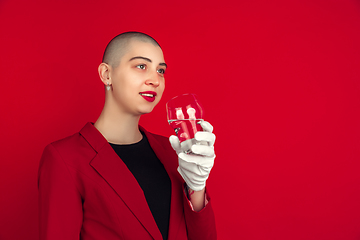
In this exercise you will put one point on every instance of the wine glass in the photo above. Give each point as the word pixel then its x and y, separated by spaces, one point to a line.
pixel 184 114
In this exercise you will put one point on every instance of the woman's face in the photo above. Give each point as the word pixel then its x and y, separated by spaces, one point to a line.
pixel 138 82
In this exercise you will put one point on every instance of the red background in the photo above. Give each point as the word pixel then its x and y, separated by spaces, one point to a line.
pixel 279 80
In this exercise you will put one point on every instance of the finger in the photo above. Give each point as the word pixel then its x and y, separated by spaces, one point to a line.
pixel 195 175
pixel 203 150
pixel 206 136
pixel 175 143
pixel 193 170
pixel 202 161
pixel 185 157
pixel 206 126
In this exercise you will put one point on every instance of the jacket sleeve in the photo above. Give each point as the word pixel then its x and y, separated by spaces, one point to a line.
pixel 60 204
pixel 200 225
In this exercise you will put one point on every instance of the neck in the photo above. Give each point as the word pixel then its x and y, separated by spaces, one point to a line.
pixel 118 127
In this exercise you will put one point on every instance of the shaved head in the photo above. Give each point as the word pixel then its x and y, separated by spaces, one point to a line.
pixel 120 44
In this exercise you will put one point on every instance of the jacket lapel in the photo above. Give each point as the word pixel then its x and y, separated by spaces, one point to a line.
pixel 114 171
pixel 168 158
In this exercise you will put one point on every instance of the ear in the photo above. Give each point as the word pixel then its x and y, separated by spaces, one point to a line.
pixel 104 73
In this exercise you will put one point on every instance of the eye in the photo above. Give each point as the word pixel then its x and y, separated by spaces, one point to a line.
pixel 141 66
pixel 161 71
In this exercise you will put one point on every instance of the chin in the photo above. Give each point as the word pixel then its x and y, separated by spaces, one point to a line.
pixel 146 111
pixel 147 108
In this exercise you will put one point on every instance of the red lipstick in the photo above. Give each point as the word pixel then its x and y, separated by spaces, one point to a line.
pixel 148 95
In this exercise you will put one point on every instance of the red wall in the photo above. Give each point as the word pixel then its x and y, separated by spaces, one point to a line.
pixel 279 80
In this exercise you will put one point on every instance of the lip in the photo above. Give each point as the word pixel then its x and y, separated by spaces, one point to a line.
pixel 147 98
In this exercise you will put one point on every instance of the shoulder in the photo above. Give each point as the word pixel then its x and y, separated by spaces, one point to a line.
pixel 70 149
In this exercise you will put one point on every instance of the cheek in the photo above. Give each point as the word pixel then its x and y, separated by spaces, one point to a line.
pixel 127 85
pixel 162 86
pixel 161 91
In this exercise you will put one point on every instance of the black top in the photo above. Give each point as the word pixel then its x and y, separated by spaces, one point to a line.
pixel 152 178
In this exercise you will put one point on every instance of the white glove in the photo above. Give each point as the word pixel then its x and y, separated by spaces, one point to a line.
pixel 195 167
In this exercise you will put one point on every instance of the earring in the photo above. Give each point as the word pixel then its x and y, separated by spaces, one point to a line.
pixel 108 86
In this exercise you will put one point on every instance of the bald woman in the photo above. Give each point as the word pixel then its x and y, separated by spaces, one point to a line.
pixel 114 179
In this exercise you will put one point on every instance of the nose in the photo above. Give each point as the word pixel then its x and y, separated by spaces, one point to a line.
pixel 153 79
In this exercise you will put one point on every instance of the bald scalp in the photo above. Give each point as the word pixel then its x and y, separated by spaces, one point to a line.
pixel 120 44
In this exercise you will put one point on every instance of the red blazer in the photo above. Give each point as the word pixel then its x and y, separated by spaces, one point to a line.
pixel 86 192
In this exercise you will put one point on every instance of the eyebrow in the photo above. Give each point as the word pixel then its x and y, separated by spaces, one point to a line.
pixel 147 59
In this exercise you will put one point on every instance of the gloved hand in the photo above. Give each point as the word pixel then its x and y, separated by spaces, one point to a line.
pixel 195 167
